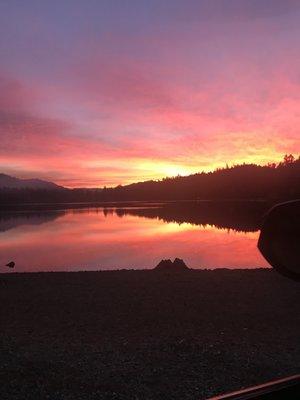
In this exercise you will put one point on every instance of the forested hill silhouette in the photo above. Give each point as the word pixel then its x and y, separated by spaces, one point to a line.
pixel 241 182
pixel 247 181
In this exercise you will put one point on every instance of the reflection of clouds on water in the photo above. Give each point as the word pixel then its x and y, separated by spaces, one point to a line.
pixel 90 240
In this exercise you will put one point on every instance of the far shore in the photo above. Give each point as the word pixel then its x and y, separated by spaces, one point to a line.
pixel 145 334
pixel 113 204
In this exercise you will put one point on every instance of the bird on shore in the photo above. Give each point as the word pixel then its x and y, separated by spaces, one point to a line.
pixel 11 264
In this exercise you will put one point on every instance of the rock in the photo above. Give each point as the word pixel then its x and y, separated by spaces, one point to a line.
pixel 164 265
pixel 179 264
pixel 168 265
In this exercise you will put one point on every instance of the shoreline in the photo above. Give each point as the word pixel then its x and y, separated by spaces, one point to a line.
pixel 145 334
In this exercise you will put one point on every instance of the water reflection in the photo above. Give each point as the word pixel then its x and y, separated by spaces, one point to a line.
pixel 113 238
pixel 12 220
pixel 239 216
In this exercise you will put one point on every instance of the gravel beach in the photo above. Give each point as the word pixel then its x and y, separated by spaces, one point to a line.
pixel 145 334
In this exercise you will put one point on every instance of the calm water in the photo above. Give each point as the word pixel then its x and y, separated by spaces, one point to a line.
pixel 102 238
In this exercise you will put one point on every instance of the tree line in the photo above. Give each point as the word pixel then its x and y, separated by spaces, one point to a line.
pixel 271 182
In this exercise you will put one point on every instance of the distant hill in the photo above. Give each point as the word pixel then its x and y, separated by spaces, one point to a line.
pixel 11 182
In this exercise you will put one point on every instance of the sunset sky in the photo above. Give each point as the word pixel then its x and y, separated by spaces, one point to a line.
pixel 108 92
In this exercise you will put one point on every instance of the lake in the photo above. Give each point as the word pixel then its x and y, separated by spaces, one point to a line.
pixel 131 237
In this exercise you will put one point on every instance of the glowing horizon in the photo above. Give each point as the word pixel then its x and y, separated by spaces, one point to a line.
pixel 100 94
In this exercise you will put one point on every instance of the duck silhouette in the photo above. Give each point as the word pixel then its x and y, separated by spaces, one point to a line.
pixel 11 264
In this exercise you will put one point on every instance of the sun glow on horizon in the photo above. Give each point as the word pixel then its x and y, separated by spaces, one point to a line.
pixel 140 170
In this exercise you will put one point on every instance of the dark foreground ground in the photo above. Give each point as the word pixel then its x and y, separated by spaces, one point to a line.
pixel 144 334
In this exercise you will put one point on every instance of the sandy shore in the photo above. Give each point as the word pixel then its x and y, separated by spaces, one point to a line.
pixel 144 334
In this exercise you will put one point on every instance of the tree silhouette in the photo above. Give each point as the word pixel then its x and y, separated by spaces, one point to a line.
pixel 288 159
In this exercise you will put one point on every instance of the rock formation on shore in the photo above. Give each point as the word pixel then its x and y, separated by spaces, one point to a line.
pixel 168 265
